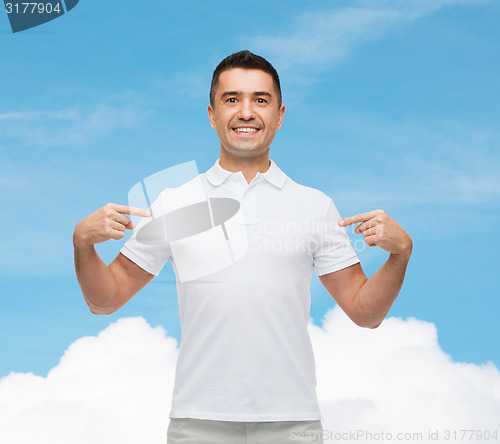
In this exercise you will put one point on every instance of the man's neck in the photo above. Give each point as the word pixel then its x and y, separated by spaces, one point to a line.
pixel 249 166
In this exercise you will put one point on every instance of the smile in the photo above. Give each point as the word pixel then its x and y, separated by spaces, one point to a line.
pixel 245 130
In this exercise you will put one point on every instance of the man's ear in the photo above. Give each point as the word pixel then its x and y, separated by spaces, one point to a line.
pixel 211 116
pixel 281 113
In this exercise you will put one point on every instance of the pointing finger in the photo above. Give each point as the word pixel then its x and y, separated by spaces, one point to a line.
pixel 133 211
pixel 362 217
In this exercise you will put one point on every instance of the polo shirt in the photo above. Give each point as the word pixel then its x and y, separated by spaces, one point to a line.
pixel 245 353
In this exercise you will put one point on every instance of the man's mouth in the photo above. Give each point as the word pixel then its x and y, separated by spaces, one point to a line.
pixel 246 129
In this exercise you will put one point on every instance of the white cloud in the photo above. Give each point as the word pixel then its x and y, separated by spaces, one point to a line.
pixel 72 126
pixel 67 114
pixel 116 387
pixel 320 38
pixel 397 378
pixel 113 388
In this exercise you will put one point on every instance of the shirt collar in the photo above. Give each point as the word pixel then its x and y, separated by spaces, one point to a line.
pixel 217 175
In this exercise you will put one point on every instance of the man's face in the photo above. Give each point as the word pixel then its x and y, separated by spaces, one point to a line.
pixel 245 112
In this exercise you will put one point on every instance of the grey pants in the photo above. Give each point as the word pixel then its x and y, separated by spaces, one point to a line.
pixel 204 431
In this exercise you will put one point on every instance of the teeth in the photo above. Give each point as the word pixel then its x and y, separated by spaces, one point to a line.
pixel 246 130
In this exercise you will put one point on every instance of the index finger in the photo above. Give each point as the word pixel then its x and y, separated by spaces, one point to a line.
pixel 362 217
pixel 133 211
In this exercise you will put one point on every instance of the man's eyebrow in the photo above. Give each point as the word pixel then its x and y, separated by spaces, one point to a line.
pixel 262 93
pixel 236 93
pixel 230 93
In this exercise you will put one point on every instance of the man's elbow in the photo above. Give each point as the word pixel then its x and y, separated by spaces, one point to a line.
pixel 368 323
pixel 101 310
pixel 374 325
pixel 366 317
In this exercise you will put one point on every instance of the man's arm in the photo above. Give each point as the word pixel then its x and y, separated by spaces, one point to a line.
pixel 106 288
pixel 368 301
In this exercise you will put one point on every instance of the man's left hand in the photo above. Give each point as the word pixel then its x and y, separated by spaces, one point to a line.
pixel 378 228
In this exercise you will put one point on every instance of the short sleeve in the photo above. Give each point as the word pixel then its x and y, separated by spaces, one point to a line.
pixel 334 250
pixel 150 257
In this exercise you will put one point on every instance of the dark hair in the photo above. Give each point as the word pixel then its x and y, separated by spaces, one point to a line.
pixel 244 59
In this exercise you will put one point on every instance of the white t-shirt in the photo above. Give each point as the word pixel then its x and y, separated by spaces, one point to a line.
pixel 245 352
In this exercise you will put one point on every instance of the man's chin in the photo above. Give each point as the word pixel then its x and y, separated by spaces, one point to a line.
pixel 246 152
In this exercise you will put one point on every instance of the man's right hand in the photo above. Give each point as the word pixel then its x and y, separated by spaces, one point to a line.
pixel 108 222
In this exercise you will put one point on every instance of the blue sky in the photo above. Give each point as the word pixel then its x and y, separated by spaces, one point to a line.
pixel 389 104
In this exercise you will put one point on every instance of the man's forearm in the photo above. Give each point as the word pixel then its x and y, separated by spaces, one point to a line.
pixel 95 278
pixel 379 292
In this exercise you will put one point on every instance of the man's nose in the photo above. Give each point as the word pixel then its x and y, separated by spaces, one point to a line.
pixel 246 111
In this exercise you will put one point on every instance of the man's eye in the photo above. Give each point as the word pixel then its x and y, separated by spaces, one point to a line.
pixel 231 100
pixel 261 100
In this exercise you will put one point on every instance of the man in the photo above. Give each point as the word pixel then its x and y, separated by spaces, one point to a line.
pixel 245 371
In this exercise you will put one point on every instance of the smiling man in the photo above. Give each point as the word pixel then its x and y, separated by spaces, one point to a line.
pixel 246 110
pixel 245 371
